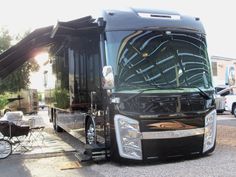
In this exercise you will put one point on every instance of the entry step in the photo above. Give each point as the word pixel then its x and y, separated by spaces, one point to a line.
pixel 95 147
pixel 93 152
pixel 82 157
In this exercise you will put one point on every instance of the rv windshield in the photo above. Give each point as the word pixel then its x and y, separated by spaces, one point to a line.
pixel 158 59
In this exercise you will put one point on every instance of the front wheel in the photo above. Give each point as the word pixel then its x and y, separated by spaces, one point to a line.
pixel 220 111
pixel 90 132
pixel 234 110
pixel 5 148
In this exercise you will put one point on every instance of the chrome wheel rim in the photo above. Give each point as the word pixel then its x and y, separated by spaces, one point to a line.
pixel 235 111
pixel 91 134
pixel 5 149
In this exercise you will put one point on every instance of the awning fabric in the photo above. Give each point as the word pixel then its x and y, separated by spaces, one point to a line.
pixel 15 56
pixel 40 39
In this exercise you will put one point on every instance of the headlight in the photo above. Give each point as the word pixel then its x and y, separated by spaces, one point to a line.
pixel 128 137
pixel 210 131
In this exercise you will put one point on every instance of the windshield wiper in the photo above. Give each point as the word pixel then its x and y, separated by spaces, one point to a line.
pixel 139 93
pixel 203 94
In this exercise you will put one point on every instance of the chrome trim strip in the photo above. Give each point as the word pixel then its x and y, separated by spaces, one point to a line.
pixel 173 134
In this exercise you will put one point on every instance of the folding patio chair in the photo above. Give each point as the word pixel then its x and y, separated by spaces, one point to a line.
pixel 37 126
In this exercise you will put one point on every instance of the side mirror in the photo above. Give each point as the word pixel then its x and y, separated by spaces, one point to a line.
pixel 108 78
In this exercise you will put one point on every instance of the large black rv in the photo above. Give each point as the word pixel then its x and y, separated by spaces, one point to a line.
pixel 132 85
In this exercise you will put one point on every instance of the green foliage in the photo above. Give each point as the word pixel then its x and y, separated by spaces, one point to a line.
pixel 3 100
pixel 61 97
pixel 40 96
pixel 5 40
pixel 49 96
pixel 20 78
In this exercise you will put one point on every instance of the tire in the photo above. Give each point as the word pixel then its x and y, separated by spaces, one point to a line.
pixel 234 110
pixel 5 148
pixel 90 132
pixel 220 111
pixel 55 126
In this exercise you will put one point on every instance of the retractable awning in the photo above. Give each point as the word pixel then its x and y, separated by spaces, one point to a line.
pixel 15 56
pixel 74 27
pixel 40 39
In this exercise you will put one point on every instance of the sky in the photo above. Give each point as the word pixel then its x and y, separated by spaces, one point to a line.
pixel 218 17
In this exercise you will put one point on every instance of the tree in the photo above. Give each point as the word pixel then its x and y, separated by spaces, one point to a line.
pixel 20 78
pixel 5 40
pixel 3 100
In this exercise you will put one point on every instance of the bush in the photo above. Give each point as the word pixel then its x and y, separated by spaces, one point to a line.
pixel 62 99
pixel 3 100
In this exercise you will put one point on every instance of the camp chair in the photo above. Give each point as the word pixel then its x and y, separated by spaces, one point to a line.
pixel 37 126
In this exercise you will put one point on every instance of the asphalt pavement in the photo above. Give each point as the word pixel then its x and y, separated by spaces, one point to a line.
pixel 227 119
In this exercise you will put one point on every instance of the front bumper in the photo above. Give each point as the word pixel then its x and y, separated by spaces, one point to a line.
pixel 163 138
pixel 172 146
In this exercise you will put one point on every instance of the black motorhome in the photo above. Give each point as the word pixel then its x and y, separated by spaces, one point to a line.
pixel 133 85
